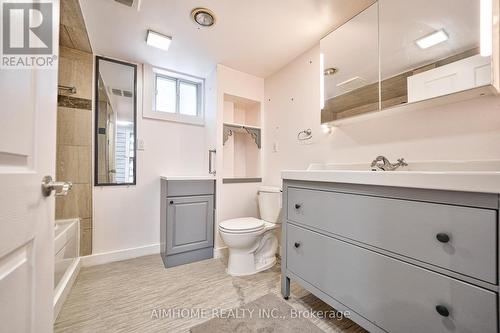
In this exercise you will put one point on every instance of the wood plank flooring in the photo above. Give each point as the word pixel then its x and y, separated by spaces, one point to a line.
pixel 134 296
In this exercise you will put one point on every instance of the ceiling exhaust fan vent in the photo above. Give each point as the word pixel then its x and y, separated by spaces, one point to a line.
pixel 128 3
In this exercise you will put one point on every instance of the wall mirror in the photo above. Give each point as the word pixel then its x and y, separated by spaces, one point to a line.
pixel 405 52
pixel 351 67
pixel 115 123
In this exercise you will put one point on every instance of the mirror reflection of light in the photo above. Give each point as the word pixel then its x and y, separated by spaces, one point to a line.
pixel 435 38
pixel 486 28
pixel 322 80
pixel 124 123
pixel 326 128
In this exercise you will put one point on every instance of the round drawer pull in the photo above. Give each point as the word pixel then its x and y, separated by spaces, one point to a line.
pixel 297 206
pixel 297 245
pixel 171 202
pixel 442 310
pixel 442 237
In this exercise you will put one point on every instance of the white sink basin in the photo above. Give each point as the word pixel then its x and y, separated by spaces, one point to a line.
pixel 468 176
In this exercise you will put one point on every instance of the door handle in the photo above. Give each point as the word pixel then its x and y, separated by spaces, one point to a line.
pixel 61 188
pixel 211 153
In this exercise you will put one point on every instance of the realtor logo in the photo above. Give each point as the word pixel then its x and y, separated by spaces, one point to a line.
pixel 27 34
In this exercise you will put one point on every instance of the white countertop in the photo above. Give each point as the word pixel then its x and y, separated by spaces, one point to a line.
pixel 473 176
pixel 204 177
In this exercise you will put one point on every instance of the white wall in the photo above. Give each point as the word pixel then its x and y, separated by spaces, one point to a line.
pixel 234 200
pixel 465 130
pixel 129 216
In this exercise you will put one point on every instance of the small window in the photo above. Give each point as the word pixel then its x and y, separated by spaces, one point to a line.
pixel 177 95
pixel 166 91
pixel 188 98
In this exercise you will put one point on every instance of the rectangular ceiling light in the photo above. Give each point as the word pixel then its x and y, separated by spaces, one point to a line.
pixel 435 38
pixel 158 40
pixel 486 28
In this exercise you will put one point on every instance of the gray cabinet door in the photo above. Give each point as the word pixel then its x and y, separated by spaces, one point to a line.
pixel 189 223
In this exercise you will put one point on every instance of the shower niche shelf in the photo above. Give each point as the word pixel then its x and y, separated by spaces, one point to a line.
pixel 242 140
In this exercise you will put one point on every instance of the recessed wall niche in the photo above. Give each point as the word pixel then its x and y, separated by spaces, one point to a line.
pixel 242 139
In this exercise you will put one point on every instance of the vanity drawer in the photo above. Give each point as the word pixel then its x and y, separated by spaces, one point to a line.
pixel 405 227
pixel 177 188
pixel 396 296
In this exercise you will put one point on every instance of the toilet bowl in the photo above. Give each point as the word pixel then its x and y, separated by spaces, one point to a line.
pixel 251 242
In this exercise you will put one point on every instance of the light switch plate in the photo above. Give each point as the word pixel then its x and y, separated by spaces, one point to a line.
pixel 140 144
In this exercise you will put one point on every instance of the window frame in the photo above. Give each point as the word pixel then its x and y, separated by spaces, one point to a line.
pixel 151 75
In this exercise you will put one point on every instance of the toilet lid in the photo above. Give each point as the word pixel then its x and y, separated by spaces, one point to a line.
pixel 244 224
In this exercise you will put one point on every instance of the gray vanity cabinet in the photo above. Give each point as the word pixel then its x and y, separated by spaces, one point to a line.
pixel 398 259
pixel 187 221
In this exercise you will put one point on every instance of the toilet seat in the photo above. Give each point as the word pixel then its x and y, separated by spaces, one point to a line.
pixel 242 225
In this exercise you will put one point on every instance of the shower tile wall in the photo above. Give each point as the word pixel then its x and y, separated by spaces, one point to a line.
pixel 74 141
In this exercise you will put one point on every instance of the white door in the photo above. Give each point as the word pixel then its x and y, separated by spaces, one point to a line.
pixel 28 109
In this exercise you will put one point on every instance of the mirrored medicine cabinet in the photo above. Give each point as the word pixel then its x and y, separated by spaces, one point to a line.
pixel 402 52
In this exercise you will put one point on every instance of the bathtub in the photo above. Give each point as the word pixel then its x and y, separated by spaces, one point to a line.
pixel 67 260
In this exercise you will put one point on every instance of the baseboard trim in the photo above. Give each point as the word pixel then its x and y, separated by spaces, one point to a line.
pixel 119 255
pixel 220 252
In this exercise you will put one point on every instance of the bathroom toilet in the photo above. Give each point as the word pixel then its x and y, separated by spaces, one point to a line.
pixel 251 242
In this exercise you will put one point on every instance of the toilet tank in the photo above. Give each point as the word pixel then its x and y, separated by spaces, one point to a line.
pixel 270 203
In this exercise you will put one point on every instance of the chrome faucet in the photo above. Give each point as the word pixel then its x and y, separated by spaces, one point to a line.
pixel 382 163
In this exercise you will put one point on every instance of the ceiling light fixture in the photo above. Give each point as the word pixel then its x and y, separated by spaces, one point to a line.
pixel 203 17
pixel 434 38
pixel 486 28
pixel 158 40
